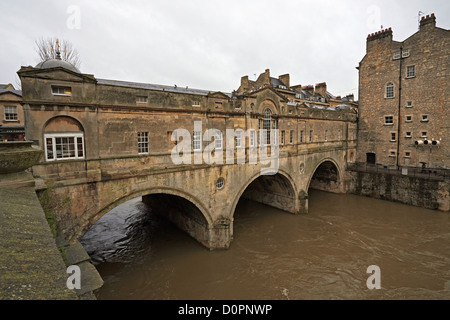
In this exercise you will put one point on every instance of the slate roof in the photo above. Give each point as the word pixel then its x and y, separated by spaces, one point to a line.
pixel 157 87
pixel 16 92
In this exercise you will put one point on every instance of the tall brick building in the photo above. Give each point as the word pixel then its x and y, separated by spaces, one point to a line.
pixel 404 99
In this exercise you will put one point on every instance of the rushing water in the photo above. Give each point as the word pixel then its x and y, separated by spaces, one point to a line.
pixel 275 255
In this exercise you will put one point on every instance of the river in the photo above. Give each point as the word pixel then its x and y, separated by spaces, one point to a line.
pixel 324 254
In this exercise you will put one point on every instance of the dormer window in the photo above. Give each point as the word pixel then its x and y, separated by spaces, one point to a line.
pixel 61 91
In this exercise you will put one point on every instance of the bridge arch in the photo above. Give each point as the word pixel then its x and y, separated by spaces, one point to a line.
pixel 326 176
pixel 269 191
pixel 196 225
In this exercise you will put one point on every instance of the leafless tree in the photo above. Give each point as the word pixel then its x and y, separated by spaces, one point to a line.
pixel 47 49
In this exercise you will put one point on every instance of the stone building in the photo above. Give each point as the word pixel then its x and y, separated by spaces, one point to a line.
pixel 404 99
pixel 12 125
pixel 108 141
pixel 77 116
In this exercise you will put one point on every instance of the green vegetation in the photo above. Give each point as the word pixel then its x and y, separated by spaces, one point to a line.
pixel 51 203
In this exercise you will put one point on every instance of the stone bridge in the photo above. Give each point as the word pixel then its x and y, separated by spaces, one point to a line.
pixel 84 190
pixel 107 141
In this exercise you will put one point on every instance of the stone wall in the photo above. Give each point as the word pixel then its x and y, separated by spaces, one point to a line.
pixel 426 193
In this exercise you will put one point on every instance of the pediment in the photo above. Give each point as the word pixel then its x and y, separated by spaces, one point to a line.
pixel 10 96
pixel 57 73
pixel 218 95
pixel 269 93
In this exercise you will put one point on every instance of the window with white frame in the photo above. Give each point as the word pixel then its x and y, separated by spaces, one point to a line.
pixel 397 55
pixel 302 136
pixel 424 118
pixel 267 121
pixel 408 134
pixel 405 53
pixel 63 146
pixel 10 113
pixel 310 135
pixel 197 139
pixel 282 136
pixel 238 139
pixel 218 140
pixel 409 104
pixel 424 134
pixel 143 142
pixel 252 138
pixel 410 71
pixel 141 99
pixel 389 120
pixel 390 90
pixel 61 91
pixel 393 136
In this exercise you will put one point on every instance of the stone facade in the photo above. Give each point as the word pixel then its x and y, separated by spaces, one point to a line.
pixel 109 141
pixel 403 99
pixel 12 124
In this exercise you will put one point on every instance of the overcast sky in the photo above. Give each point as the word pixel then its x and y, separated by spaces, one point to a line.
pixel 210 44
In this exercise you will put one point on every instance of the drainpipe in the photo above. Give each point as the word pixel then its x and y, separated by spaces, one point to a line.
pixel 399 106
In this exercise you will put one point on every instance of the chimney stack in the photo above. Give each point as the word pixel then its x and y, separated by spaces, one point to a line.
pixel 285 78
pixel 427 22
pixel 267 77
pixel 321 88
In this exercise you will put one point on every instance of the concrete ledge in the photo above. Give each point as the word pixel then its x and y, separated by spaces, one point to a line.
pixel 91 281
pixel 16 180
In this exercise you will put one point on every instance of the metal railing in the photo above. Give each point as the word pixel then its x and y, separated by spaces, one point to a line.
pixel 425 173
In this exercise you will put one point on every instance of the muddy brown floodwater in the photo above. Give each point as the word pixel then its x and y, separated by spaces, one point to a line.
pixel 275 255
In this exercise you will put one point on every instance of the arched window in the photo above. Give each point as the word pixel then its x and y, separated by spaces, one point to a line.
pixel 63 139
pixel 267 125
pixel 390 90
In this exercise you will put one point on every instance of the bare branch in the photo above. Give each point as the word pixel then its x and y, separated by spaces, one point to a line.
pixel 46 50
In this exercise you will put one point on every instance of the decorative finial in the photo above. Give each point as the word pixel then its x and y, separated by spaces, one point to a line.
pixel 58 53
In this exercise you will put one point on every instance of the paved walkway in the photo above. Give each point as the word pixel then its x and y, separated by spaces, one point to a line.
pixel 31 266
